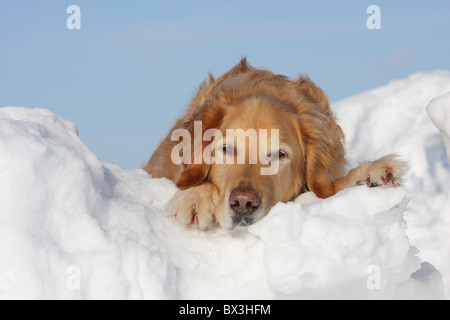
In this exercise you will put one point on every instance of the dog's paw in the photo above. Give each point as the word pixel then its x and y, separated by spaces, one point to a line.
pixel 387 171
pixel 194 206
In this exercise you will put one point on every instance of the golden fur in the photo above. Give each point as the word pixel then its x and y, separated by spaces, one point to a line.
pixel 246 97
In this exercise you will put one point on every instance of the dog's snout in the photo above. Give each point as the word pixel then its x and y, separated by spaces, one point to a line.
pixel 244 200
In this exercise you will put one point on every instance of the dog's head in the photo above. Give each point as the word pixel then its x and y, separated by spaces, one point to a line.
pixel 266 147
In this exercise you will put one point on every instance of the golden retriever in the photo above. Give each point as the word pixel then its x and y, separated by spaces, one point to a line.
pixel 309 154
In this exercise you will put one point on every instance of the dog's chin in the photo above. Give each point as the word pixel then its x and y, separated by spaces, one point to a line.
pixel 230 220
pixel 242 220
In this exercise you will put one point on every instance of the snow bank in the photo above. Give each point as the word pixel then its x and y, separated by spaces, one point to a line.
pixel 75 227
pixel 393 119
pixel 61 215
pixel 439 111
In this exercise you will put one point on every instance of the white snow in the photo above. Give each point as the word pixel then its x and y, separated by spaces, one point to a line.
pixel 75 227
pixel 393 119
pixel 439 111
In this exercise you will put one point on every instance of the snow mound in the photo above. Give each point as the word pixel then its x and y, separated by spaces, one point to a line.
pixel 75 227
pixel 393 119
pixel 439 111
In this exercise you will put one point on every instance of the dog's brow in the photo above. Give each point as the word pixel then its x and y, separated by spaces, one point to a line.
pixel 283 147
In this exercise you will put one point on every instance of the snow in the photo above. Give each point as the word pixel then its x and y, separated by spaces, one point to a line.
pixel 439 111
pixel 393 119
pixel 76 227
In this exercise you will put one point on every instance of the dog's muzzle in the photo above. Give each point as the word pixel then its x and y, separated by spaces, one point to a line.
pixel 244 202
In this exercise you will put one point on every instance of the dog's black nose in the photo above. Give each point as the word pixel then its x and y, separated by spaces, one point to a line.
pixel 244 200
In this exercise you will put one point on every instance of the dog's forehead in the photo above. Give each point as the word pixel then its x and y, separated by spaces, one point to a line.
pixel 260 114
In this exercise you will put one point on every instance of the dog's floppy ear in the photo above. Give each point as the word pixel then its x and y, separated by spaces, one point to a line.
pixel 192 175
pixel 210 116
pixel 322 150
pixel 322 138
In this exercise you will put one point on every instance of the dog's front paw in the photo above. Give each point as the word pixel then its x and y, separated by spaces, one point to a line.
pixel 387 171
pixel 194 206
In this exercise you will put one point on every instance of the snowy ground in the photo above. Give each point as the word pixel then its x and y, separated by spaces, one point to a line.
pixel 393 119
pixel 73 226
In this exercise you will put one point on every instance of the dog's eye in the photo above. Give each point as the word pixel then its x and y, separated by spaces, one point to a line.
pixel 227 149
pixel 282 154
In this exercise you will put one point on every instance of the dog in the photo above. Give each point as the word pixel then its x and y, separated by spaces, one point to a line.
pixel 308 156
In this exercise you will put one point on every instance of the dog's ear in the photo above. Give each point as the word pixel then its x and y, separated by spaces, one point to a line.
pixel 210 116
pixel 321 147
pixel 321 136
pixel 192 175
pixel 318 160
pixel 322 141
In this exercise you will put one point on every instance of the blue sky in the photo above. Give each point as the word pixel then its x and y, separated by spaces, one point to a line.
pixel 132 68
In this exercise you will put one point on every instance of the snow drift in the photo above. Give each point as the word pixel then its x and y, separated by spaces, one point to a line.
pixel 75 227
pixel 439 111
pixel 393 119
